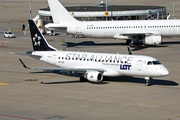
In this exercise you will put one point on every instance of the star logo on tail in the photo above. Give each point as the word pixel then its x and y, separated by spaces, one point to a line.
pixel 37 40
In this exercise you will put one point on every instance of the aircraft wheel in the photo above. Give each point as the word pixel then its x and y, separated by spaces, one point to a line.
pixel 148 82
pixel 82 79
pixel 131 45
pixel 128 42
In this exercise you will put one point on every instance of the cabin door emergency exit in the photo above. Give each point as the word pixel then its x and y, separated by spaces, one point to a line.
pixel 139 65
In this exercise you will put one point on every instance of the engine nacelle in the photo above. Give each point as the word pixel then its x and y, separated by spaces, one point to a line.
pixel 152 40
pixel 93 76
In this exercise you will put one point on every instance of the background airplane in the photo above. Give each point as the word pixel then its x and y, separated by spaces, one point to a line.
pixel 135 32
pixel 92 66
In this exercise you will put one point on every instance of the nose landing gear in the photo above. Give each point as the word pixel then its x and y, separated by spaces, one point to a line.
pixel 148 81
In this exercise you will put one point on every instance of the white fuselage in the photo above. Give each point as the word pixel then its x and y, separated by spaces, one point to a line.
pixel 112 64
pixel 108 29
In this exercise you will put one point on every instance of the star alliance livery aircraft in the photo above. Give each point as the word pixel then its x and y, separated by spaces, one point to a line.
pixel 92 66
pixel 149 32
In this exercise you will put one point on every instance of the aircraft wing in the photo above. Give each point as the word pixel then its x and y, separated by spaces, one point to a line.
pixel 130 35
pixel 73 70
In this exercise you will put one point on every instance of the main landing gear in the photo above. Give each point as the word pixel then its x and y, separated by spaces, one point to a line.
pixel 82 79
pixel 148 80
pixel 131 43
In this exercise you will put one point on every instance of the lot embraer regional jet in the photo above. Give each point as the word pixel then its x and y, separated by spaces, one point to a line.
pixel 134 32
pixel 92 66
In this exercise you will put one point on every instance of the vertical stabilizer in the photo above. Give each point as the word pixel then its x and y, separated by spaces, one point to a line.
pixel 59 12
pixel 38 41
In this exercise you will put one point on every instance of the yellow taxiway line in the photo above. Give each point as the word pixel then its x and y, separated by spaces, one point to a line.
pixel 4 84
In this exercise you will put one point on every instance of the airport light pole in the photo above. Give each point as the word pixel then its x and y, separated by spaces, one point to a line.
pixel 174 8
pixel 106 9
pixel 30 10
pixel 106 5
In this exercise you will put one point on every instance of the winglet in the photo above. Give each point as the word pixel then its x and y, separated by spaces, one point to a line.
pixel 129 51
pixel 24 64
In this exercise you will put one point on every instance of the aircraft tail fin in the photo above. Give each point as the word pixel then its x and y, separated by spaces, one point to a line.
pixel 59 12
pixel 38 41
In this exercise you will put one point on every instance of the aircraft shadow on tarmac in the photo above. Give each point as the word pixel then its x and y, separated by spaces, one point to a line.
pixel 164 44
pixel 120 79
pixel 91 43
pixel 140 47
pixel 171 42
pixel 142 81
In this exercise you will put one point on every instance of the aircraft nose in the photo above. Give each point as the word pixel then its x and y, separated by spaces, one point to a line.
pixel 164 71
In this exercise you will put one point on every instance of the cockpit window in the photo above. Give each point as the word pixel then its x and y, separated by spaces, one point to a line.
pixel 149 63
pixel 153 63
pixel 156 63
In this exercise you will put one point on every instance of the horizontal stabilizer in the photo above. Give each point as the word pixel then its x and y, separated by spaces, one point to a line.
pixel 34 56
pixel 55 25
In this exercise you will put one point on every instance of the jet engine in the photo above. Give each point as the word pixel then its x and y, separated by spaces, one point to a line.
pixel 151 40
pixel 93 76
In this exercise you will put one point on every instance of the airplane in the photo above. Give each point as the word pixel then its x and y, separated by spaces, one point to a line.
pixel 92 66
pixel 135 32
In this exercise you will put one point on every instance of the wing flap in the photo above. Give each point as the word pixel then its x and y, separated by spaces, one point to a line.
pixel 130 35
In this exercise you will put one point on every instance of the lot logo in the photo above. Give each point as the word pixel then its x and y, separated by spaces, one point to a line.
pixel 125 67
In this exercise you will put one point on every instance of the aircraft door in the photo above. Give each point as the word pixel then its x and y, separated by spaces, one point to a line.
pixel 54 57
pixel 139 65
pixel 78 28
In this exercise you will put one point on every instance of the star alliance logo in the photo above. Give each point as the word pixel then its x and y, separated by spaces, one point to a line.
pixel 37 40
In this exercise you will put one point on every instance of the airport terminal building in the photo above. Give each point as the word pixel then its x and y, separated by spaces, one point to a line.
pixel 112 12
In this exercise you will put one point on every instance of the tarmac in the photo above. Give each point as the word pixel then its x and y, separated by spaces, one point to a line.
pixel 63 97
